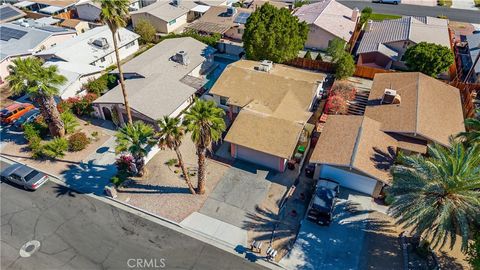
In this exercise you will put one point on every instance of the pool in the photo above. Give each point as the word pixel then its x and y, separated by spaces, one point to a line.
pixel 213 76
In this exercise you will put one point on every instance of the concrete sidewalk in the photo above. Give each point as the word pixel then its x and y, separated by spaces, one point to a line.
pixel 214 228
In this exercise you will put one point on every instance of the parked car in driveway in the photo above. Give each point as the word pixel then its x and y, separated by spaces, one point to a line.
pixel 28 117
pixel 24 176
pixel 320 209
pixel 11 113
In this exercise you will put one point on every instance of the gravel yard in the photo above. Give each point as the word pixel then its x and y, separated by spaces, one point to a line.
pixel 163 192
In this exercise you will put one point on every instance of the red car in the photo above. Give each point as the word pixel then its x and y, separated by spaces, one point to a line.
pixel 11 113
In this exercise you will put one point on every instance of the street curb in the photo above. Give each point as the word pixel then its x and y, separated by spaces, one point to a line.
pixel 156 218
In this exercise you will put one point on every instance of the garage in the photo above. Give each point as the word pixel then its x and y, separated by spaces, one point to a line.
pixel 259 158
pixel 349 179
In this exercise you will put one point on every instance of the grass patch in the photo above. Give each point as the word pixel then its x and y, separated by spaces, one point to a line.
pixel 381 17
pixel 445 3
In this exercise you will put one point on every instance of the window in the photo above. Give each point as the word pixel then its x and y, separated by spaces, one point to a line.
pixel 223 101
pixel 240 31
pixel 129 44
pixel 172 22
pixel 32 174
pixel 102 59
pixel 15 177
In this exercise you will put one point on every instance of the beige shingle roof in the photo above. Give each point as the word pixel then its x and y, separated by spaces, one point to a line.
pixel 428 107
pixel 274 105
pixel 358 143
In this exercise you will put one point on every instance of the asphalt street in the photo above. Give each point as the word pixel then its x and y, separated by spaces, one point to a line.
pixel 57 228
pixel 461 15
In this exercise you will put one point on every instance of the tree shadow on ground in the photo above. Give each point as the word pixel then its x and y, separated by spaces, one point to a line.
pixel 140 188
pixel 88 177
pixel 65 191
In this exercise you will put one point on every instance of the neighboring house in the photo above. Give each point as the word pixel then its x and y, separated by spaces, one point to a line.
pixel 94 47
pixel 270 106
pixel 226 21
pixel 49 7
pixel 166 16
pixel 406 111
pixel 160 82
pixel 384 43
pixel 327 19
pixel 74 24
pixel 89 10
pixel 21 41
pixel 10 13
pixel 474 52
pixel 77 75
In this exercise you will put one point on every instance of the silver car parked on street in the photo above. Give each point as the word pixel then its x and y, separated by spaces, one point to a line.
pixel 24 176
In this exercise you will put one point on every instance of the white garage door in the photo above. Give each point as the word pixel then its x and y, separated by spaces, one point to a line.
pixel 348 179
pixel 260 158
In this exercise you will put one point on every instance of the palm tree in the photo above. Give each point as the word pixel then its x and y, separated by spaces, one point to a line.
pixel 41 84
pixel 135 139
pixel 114 13
pixel 438 196
pixel 171 135
pixel 205 121
pixel 471 136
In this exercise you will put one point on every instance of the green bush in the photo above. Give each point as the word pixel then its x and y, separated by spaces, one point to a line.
pixel 389 199
pixel 366 15
pixel 55 148
pixel 146 31
pixel 102 84
pixel 118 179
pixel 70 121
pixel 78 142
pixel 308 55
pixel 319 57
pixel 211 40
pixel 345 66
pixel 30 132
pixel 35 145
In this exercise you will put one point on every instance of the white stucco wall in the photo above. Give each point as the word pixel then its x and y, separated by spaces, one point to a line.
pixel 318 38
pixel 110 58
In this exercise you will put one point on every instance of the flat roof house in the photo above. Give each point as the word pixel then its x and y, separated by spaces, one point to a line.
pixel 406 111
pixel 94 47
pixel 165 16
pixel 22 41
pixel 10 13
pixel 161 81
pixel 48 7
pixel 384 42
pixel 270 108
pixel 327 19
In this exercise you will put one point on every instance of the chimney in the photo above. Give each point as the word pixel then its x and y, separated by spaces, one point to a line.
pixel 355 13
pixel 368 26
pixel 390 96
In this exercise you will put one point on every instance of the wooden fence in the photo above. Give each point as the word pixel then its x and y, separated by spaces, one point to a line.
pixel 360 71
pixel 468 92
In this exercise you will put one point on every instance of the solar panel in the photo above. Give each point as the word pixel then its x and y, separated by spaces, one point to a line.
pixel 8 33
pixel 7 12
pixel 50 28
pixel 242 18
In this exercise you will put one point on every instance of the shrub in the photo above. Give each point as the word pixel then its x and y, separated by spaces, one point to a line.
pixel 118 179
pixel 336 49
pixel 146 31
pixel 308 55
pixel 336 105
pixel 124 164
pixel 78 142
pixel 343 89
pixel 55 148
pixel 101 84
pixel 81 105
pixel 30 132
pixel 70 121
pixel 319 57
pixel 95 135
pixel 171 162
pixel 211 40
pixel 345 66
pixel 366 15
pixel 36 147
pixel 389 199
pixel 40 125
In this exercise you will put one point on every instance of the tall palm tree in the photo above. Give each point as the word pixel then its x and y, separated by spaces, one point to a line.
pixel 41 83
pixel 171 135
pixel 114 13
pixel 205 121
pixel 135 139
pixel 472 135
pixel 438 196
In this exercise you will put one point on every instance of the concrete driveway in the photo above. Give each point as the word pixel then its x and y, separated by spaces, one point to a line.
pixel 338 246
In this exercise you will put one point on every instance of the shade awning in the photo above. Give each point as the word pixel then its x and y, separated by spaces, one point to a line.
pixel 200 8
pixel 51 9
pixel 23 4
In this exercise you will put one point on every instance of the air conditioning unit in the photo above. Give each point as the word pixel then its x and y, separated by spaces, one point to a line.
pixel 266 65
pixel 101 43
pixel 390 97
pixel 181 57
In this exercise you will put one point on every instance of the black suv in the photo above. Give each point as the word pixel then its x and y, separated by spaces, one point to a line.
pixel 322 204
